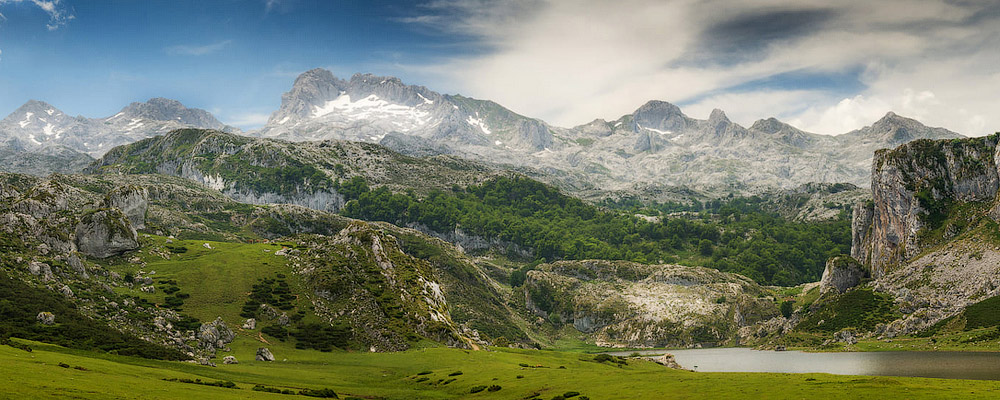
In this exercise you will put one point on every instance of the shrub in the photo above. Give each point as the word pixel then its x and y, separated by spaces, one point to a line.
pixel 456 373
pixel 477 389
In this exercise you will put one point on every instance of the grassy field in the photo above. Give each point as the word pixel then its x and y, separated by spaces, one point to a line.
pixel 38 374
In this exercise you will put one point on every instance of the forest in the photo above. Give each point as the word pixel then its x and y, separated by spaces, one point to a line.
pixel 738 234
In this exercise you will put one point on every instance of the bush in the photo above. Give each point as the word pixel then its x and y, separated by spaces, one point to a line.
pixel 456 373
pixel 323 393
pixel 477 389
pixel 493 388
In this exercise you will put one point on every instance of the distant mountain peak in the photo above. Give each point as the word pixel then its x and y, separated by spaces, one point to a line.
pixel 718 116
pixel 660 116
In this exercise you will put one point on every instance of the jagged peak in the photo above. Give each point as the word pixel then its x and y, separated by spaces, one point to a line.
pixel 372 79
pixel 315 74
pixel 32 105
pixel 718 116
pixel 773 125
pixel 659 105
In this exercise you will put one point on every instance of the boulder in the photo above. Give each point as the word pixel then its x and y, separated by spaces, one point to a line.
pixel 250 324
pixel 132 201
pixel 76 263
pixel 229 360
pixel 46 318
pixel 215 335
pixel 841 273
pixel 666 360
pixel 66 291
pixel 263 354
pixel 105 233
pixel 41 269
pixel 845 336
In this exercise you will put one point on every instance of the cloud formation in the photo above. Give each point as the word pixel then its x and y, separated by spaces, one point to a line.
pixel 569 61
pixel 197 50
pixel 59 15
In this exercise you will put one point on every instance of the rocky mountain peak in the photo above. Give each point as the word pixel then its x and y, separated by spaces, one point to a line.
pixel 661 116
pixel 162 109
pixel 718 116
pixel 770 125
pixel 894 130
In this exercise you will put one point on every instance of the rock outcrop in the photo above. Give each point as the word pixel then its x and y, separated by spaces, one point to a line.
pixel 132 201
pixel 624 304
pixel 46 318
pixel 841 273
pixel 263 354
pixel 215 335
pixel 105 233
pixel 912 187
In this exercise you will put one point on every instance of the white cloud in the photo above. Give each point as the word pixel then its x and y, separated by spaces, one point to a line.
pixel 569 61
pixel 58 14
pixel 197 50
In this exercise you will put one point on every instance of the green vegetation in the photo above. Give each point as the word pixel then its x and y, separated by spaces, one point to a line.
pixel 984 314
pixel 388 376
pixel 19 308
pixel 861 309
pixel 737 235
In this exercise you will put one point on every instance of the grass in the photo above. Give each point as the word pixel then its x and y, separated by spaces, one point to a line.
pixel 218 279
pixel 395 376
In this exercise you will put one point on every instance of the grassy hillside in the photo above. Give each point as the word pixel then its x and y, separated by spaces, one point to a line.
pixel 519 374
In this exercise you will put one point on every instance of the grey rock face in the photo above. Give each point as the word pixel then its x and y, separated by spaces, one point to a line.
pixel 621 304
pixel 263 354
pixel 841 273
pixel 46 318
pixel 40 269
pixel 105 233
pixel 132 201
pixel 215 335
pixel 656 145
pixel 909 184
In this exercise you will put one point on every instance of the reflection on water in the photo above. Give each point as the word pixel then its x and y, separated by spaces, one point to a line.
pixel 952 365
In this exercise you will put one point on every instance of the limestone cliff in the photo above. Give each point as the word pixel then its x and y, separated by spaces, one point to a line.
pixel 913 187
pixel 928 235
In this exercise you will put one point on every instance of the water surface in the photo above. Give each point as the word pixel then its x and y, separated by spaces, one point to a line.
pixel 952 365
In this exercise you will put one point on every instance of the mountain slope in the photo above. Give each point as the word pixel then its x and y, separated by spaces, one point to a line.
pixel 654 148
pixel 263 171
pixel 38 134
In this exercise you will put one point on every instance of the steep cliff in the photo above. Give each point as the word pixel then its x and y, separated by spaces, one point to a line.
pixel 928 237
pixel 914 188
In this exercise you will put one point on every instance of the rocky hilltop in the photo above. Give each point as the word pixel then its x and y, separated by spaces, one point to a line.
pixel 928 235
pixel 655 147
pixel 624 304
pixel 268 171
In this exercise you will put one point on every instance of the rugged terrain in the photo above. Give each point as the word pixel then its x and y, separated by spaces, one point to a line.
pixel 653 149
pixel 38 138
pixel 265 171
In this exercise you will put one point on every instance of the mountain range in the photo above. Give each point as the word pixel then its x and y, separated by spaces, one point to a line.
pixel 657 147
pixel 39 138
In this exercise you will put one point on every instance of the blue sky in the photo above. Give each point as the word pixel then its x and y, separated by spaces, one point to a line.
pixel 826 68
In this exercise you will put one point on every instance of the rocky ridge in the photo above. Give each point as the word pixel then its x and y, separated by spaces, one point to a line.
pixel 268 171
pixel 623 304
pixel 657 145
pixel 925 237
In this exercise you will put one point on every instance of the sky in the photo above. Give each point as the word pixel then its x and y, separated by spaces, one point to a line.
pixel 824 66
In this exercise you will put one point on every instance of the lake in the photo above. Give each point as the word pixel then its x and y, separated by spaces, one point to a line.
pixel 951 365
